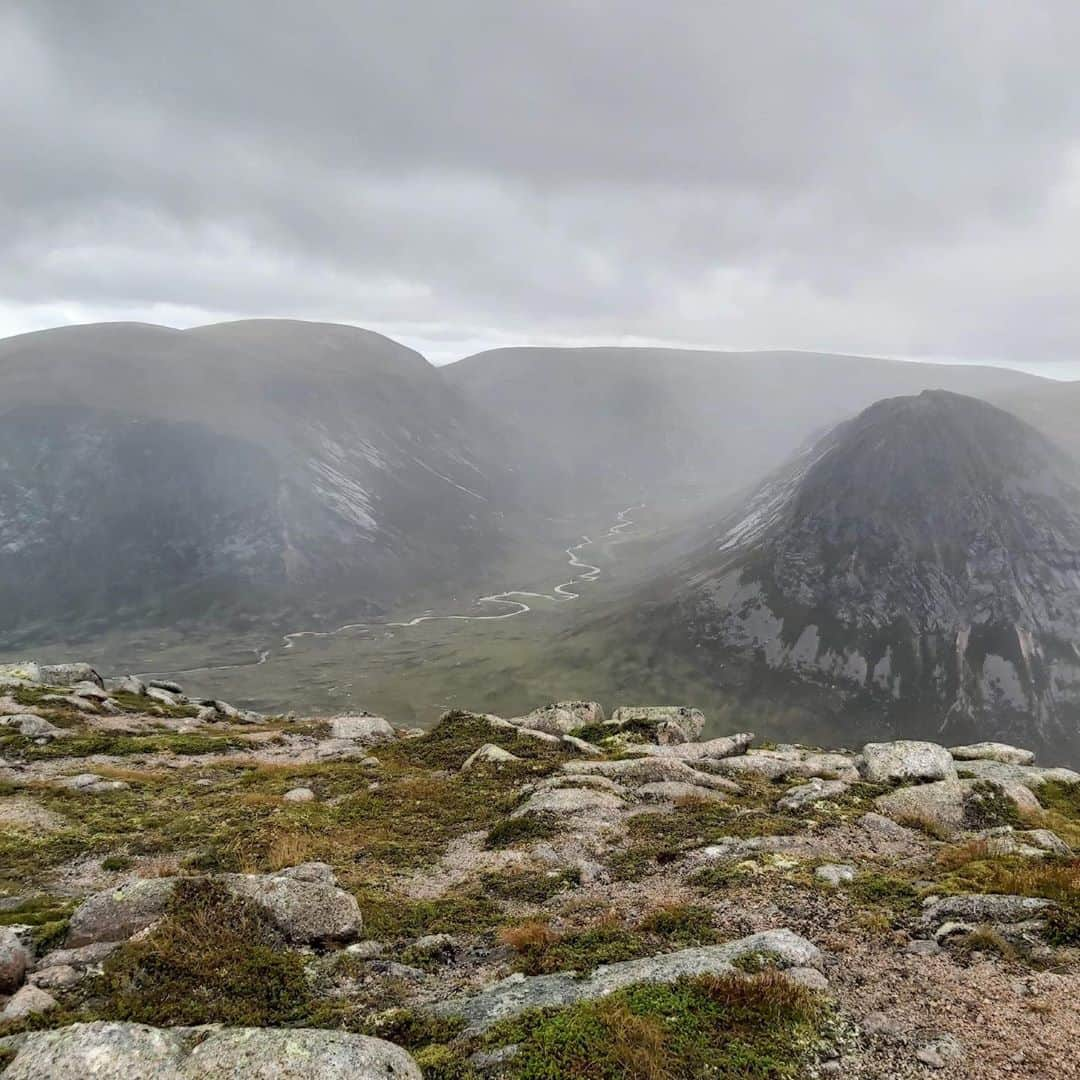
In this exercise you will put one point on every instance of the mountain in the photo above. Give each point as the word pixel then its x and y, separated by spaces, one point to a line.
pixel 669 426
pixel 234 467
pixel 919 564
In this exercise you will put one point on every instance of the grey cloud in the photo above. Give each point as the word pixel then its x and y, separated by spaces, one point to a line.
pixel 870 177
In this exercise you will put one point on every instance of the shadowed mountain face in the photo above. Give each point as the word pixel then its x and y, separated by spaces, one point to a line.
pixel 921 563
pixel 147 470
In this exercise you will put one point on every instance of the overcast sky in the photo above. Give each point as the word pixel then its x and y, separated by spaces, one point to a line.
pixel 881 177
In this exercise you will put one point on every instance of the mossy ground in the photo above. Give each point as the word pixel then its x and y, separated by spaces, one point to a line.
pixel 386 826
pixel 724 1026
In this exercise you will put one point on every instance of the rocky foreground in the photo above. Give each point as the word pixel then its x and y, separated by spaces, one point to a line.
pixel 191 890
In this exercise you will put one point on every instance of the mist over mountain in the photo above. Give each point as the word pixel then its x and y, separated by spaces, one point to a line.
pixel 670 425
pixel 917 568
pixel 145 470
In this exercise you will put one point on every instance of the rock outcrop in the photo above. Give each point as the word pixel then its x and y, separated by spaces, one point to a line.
pixel 111 1051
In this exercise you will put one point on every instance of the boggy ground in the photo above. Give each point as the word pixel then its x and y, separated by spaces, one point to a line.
pixel 534 865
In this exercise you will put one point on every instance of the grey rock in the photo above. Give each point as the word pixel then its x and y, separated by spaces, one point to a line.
pixel 92 784
pixel 104 1051
pixel 366 729
pixel 165 697
pixel 993 751
pixel 672 790
pixel 300 1054
pixel 671 723
pixel 127 684
pixel 1031 776
pixel 32 727
pixel 82 957
pixel 713 749
pixel 573 802
pixel 985 908
pixel 789 762
pixel 15 957
pixel 646 770
pixel 57 977
pixel 519 993
pixel 581 746
pixel 304 903
pixel 562 717
pixel 944 805
pixel 68 674
pixel 366 950
pixel 906 760
pixel 941 1052
pixel 299 795
pixel 488 754
pixel 29 1001
pixel 815 791
pixel 922 947
pixel 1045 840
pixel 167 685
pixel 835 874
pixel 117 914
pixel 112 1051
pixel 90 691
pixel 589 780
pixel 435 946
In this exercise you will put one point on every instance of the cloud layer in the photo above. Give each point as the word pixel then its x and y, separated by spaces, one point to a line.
pixel 897 179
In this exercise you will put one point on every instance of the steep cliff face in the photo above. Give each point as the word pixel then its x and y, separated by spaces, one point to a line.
pixel 148 471
pixel 924 557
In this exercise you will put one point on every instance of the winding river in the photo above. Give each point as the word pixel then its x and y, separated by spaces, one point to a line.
pixel 516 599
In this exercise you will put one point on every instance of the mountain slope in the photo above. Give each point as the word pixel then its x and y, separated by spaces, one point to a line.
pixel 921 562
pixel 246 464
pixel 666 426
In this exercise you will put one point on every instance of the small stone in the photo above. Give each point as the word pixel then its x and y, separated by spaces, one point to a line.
pixel 299 795
pixel 835 874
pixel 922 947
pixel 366 950
pixel 435 946
pixel 165 684
pixel 15 957
pixel 364 728
pixel 488 754
pixel 127 684
pixel 55 978
pixel 939 1053
pixel 815 791
pixel 29 1001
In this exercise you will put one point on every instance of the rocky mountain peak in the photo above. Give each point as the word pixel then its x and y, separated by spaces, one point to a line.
pixel 925 554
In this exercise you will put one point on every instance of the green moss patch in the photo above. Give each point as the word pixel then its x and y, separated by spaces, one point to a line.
pixel 394 918
pixel 213 959
pixel 724 1026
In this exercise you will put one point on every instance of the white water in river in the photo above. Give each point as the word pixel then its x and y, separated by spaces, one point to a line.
pixel 515 598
